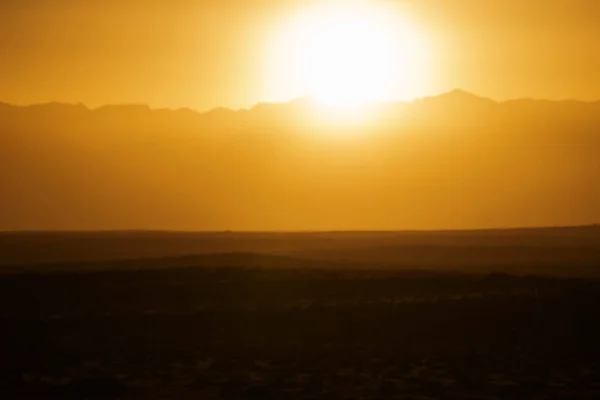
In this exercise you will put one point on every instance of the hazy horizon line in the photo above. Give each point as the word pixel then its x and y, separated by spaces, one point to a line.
pixel 236 231
pixel 306 98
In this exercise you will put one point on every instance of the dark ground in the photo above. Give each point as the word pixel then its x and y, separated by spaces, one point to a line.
pixel 247 326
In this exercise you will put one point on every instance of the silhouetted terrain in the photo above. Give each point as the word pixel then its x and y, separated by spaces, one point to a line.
pixel 301 315
pixel 468 314
pixel 449 162
pixel 569 251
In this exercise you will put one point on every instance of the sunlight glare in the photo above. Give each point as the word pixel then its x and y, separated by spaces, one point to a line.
pixel 348 53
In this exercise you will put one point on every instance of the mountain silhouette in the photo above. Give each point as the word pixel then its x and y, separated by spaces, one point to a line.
pixel 451 161
pixel 458 97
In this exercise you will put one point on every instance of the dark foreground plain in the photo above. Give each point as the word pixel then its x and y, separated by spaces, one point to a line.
pixel 461 315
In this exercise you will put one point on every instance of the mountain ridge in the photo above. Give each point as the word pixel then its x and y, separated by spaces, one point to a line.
pixel 452 162
pixel 303 100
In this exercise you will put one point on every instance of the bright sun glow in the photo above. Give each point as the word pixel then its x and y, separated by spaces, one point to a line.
pixel 348 53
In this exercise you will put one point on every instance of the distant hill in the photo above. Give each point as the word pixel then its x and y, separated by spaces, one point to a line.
pixel 454 161
pixel 568 251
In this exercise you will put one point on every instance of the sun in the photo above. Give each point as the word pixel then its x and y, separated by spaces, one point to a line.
pixel 348 53
pixel 347 57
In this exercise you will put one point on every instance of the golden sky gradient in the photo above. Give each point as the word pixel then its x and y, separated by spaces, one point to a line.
pixel 203 54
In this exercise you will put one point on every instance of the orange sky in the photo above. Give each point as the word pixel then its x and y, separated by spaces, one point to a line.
pixel 203 54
